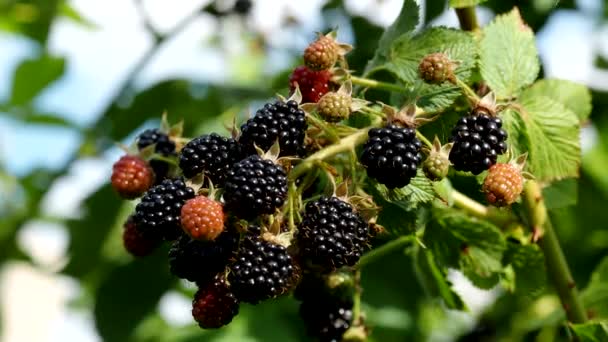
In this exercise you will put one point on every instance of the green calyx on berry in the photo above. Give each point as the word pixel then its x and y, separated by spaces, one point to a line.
pixel 437 68
pixel 323 53
pixel 437 164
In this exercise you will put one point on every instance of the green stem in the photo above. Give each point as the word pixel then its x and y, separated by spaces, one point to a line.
pixel 357 299
pixel 292 193
pixel 369 83
pixel 555 260
pixel 501 218
pixel 422 138
pixel 467 18
pixel 323 126
pixel 343 145
pixel 388 247
pixel 471 95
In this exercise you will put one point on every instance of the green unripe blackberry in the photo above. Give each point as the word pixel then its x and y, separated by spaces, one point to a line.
pixel 334 107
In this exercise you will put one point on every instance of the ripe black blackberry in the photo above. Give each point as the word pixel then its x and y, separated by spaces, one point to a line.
pixel 160 208
pixel 164 146
pixel 255 186
pixel 214 305
pixel 262 270
pixel 326 317
pixel 211 154
pixel 332 234
pixel 242 7
pixel 280 120
pixel 478 140
pixel 200 261
pixel 391 155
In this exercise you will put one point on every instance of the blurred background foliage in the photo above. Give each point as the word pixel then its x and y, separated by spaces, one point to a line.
pixel 65 208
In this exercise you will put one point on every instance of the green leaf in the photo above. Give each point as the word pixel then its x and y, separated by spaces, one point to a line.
pixel 407 52
pixel 34 75
pixel 465 3
pixel 561 194
pixel 574 96
pixel 128 294
pixel 420 190
pixel 595 295
pixel 476 247
pixel 528 263
pixel 553 134
pixel 406 22
pixel 591 332
pixel 71 13
pixel 508 55
pixel 433 279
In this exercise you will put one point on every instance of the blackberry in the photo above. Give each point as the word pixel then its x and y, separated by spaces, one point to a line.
pixel 436 68
pixel 255 186
pixel 164 146
pixel 326 317
pixel 213 155
pixel 332 234
pixel 322 54
pixel 136 242
pixel 199 261
pixel 131 176
pixel 262 270
pixel 280 120
pixel 242 7
pixel 503 184
pixel 160 208
pixel 313 84
pixel 478 140
pixel 391 155
pixel 214 305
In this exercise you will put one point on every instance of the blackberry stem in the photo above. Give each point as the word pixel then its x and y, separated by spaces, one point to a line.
pixel 370 83
pixel 291 197
pixel 498 217
pixel 470 94
pixel 357 299
pixel 388 247
pixel 467 18
pixel 324 127
pixel 422 138
pixel 555 260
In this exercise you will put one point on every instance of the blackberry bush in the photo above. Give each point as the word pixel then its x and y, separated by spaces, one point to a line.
pixel 255 186
pixel 279 120
pixel 332 234
pixel 391 155
pixel 160 208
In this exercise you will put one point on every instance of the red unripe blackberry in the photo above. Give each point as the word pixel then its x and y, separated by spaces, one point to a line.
pixel 210 154
pixel 200 261
pixel 334 107
pixel 478 140
pixel 322 54
pixel 280 120
pixel 255 186
pixel 262 270
pixel 436 68
pixel 163 145
pixel 332 234
pixel 202 218
pixel 136 242
pixel 391 155
pixel 503 184
pixel 214 305
pixel 160 208
pixel 313 84
pixel 131 177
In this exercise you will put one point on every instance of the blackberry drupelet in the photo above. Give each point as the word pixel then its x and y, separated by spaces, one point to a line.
pixel 255 186
pixel 391 155
pixel 211 154
pixel 280 120
pixel 137 242
pixel 262 270
pixel 200 261
pixel 164 146
pixel 332 234
pixel 214 304
pixel 160 208
pixel 326 317
pixel 478 140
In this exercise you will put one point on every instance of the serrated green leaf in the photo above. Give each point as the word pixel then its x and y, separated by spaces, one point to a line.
pixel 595 295
pixel 420 190
pixel 561 194
pixel 553 138
pixel 465 3
pixel 508 58
pixel 406 22
pixel 407 52
pixel 574 96
pixel 34 75
pixel 476 247
pixel 591 332
pixel 528 263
